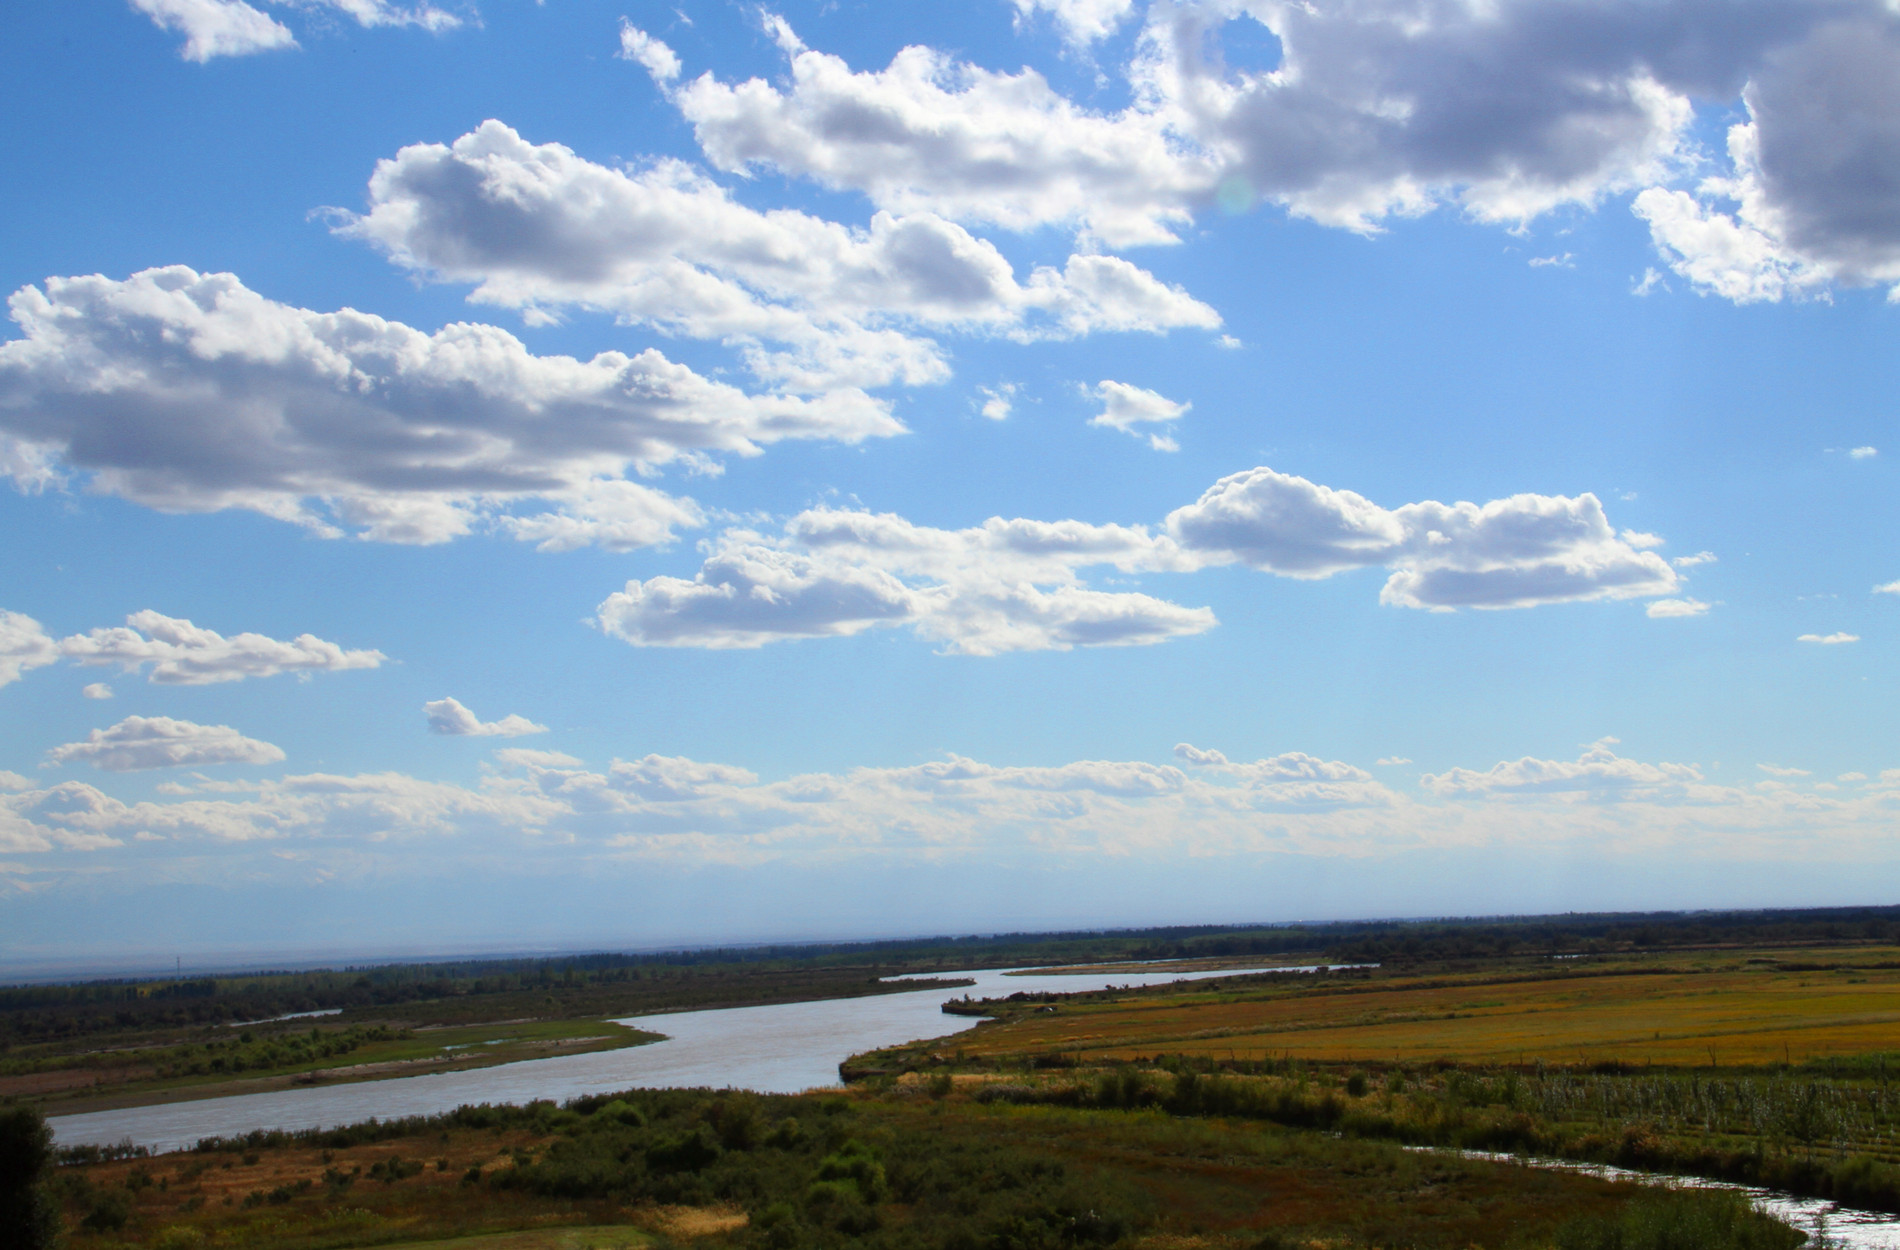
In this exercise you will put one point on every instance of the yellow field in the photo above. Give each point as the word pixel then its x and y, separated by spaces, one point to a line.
pixel 1729 1010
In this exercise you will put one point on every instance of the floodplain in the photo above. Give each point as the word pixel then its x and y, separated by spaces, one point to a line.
pixel 1739 1008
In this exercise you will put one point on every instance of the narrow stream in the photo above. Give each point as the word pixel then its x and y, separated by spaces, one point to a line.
pixel 1848 1228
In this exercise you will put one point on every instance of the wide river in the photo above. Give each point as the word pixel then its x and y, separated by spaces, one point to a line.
pixel 780 1049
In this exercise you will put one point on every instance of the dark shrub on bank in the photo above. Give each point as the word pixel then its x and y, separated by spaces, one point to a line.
pixel 29 1218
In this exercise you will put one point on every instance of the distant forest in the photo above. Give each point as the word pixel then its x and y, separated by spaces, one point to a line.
pixel 607 982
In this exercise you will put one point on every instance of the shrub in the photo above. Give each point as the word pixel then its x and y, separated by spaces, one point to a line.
pixel 110 1211
pixel 685 1152
pixel 29 1218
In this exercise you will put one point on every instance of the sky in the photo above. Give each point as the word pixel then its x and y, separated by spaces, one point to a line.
pixel 508 475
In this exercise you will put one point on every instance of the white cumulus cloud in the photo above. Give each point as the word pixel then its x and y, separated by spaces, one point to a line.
pixel 96 690
pixel 183 654
pixel 217 27
pixel 23 645
pixel 188 392
pixel 448 716
pixel 1126 407
pixel 1829 640
pixel 813 305
pixel 142 742
pixel 1516 552
pixel 1082 21
pixel 1017 584
pixel 1378 109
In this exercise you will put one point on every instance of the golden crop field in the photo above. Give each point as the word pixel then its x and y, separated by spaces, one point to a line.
pixel 1742 1008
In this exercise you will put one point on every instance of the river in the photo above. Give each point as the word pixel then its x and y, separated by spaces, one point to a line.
pixel 781 1048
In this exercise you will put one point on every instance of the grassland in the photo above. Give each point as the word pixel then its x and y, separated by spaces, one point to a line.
pixel 1777 1067
pixel 1706 1009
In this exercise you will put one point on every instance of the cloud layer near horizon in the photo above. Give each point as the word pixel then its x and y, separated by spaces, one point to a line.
pixel 660 809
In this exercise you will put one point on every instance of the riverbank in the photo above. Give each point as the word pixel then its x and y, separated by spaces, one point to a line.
pixel 445 1050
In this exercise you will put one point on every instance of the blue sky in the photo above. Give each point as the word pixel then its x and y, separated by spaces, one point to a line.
pixel 517 474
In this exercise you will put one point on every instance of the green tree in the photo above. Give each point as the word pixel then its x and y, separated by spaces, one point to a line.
pixel 29 1219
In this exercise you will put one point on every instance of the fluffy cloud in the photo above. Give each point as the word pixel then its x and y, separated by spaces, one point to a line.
pixel 448 716
pixel 1516 552
pixel 191 393
pixel 930 134
pixel 23 645
pixel 217 27
pixel 748 594
pixel 813 304
pixel 1082 21
pixel 1016 585
pixel 1668 609
pixel 183 654
pixel 96 690
pixel 234 28
pixel 1813 186
pixel 1125 407
pixel 141 742
pixel 1829 640
pixel 1375 109
pixel 1379 110
pixel 1598 774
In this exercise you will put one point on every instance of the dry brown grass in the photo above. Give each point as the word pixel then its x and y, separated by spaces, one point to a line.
pixel 685 1222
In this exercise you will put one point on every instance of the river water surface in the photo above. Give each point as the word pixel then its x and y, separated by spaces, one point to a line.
pixel 777 1049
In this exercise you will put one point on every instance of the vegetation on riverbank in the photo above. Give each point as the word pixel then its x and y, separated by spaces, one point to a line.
pixel 893 1169
pixel 1759 1065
